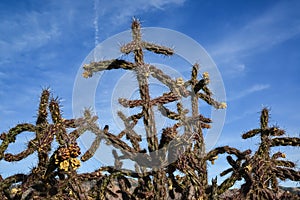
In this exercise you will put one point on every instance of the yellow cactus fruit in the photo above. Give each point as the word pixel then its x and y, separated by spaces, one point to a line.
pixel 223 105
pixel 56 159
pixel 74 150
pixel 86 74
pixel 212 160
pixel 75 163
pixel 249 168
pixel 170 184
pixel 205 75
pixel 64 165
pixel 14 191
pixel 179 81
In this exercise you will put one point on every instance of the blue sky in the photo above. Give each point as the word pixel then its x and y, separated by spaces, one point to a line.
pixel 255 45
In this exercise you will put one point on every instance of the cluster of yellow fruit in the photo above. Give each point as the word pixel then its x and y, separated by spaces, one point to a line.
pixel 66 157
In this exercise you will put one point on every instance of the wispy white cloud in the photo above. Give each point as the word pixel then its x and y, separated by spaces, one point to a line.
pixel 123 11
pixel 254 88
pixel 24 32
pixel 278 24
pixel 273 27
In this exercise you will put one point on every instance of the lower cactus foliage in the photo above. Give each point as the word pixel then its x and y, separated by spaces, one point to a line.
pixel 174 167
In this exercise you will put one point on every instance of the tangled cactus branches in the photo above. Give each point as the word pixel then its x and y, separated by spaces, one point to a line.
pixel 64 159
pixel 159 153
pixel 263 169
pixel 173 165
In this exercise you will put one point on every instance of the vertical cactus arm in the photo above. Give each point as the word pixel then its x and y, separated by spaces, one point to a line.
pixel 194 74
pixel 285 141
pixel 167 136
pixel 264 119
pixel 10 137
pixel 142 72
pixel 45 137
pixel 149 122
pixel 213 190
pixel 60 130
pixel 194 98
pixel 42 112
pixel 54 108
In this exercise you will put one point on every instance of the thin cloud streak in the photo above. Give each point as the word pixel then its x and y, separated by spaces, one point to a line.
pixel 263 32
pixel 279 24
pixel 254 88
pixel 125 10
pixel 24 33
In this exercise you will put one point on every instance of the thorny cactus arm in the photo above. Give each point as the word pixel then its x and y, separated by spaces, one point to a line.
pixel 59 126
pixel 93 67
pixel 10 137
pixel 213 154
pixel 164 99
pixel 138 43
pixel 130 133
pixel 95 145
pixel 287 141
pixel 176 87
pixel 142 78
pixel 42 112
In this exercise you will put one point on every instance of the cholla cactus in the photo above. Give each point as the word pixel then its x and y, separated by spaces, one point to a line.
pixel 157 151
pixel 172 167
pixel 42 177
pixel 264 169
